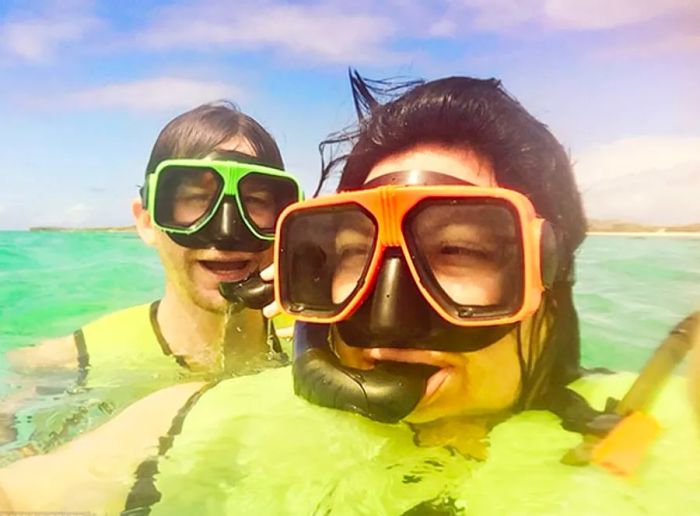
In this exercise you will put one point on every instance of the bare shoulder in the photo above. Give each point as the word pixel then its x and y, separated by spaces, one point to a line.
pixel 155 412
pixel 94 463
pixel 60 352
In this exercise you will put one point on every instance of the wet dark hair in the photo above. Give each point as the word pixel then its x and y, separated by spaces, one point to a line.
pixel 198 132
pixel 479 115
pixel 473 114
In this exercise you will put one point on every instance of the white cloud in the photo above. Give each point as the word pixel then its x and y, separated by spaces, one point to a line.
pixel 646 179
pixel 442 28
pixel 39 36
pixel 663 44
pixel 606 14
pixel 153 94
pixel 78 208
pixel 570 14
pixel 329 33
pixel 655 197
pixel 77 214
pixel 631 156
pixel 496 14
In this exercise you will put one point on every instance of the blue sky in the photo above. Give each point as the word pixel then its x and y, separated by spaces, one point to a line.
pixel 85 87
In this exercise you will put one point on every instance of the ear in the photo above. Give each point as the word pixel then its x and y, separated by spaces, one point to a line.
pixel 144 224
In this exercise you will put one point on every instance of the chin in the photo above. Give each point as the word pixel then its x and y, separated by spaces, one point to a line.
pixel 210 301
pixel 426 415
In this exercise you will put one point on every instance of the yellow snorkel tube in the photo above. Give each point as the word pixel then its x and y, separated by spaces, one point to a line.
pixel 622 449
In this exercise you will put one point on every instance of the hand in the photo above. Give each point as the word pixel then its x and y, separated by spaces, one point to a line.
pixel 273 309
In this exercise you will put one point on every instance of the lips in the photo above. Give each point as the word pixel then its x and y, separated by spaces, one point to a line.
pixel 444 361
pixel 224 267
pixel 435 382
pixel 228 269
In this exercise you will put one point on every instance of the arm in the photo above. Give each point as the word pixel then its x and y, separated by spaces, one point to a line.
pixel 55 354
pixel 61 352
pixel 95 471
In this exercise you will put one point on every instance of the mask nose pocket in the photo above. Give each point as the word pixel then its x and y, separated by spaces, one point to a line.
pixel 395 312
pixel 397 306
pixel 225 231
pixel 226 222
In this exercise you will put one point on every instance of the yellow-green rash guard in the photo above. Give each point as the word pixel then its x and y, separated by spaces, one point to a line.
pixel 129 337
pixel 132 339
pixel 122 357
pixel 249 446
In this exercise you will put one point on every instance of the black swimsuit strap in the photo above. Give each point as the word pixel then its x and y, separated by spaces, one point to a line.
pixel 144 493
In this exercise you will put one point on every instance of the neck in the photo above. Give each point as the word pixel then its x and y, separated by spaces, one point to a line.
pixel 466 434
pixel 211 341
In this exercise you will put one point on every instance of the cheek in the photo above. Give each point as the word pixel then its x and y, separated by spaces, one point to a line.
pixel 349 356
pixel 263 216
pixel 343 285
pixel 494 378
pixel 188 213
pixel 266 257
pixel 478 290
pixel 487 382
pixel 172 255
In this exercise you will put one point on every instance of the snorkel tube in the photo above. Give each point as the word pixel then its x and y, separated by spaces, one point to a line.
pixel 387 393
pixel 251 292
pixel 620 448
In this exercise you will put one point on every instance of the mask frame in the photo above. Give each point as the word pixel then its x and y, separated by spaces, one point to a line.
pixel 231 174
pixel 388 207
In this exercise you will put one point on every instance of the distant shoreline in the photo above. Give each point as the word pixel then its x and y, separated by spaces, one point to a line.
pixel 641 233
pixel 109 229
pixel 653 234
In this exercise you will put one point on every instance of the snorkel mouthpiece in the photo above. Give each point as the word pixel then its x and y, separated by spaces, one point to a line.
pixel 251 292
pixel 387 393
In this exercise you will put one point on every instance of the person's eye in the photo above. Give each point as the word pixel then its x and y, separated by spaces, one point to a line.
pixel 466 251
pixel 348 251
pixel 257 199
pixel 194 197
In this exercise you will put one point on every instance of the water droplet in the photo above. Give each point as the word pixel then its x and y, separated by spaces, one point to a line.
pixel 466 312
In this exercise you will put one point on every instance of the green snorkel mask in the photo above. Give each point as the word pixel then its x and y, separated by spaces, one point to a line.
pixel 226 201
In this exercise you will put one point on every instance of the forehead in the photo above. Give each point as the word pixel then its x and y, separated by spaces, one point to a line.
pixel 461 163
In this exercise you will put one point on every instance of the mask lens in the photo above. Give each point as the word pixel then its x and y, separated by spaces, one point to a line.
pixel 264 197
pixel 324 256
pixel 470 254
pixel 185 195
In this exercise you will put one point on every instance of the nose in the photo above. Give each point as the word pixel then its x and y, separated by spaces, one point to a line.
pixel 227 231
pixel 398 311
pixel 226 222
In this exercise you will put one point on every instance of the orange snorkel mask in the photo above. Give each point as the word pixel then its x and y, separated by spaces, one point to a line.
pixel 480 257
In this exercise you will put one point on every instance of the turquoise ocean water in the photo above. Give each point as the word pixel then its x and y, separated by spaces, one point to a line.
pixel 630 291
